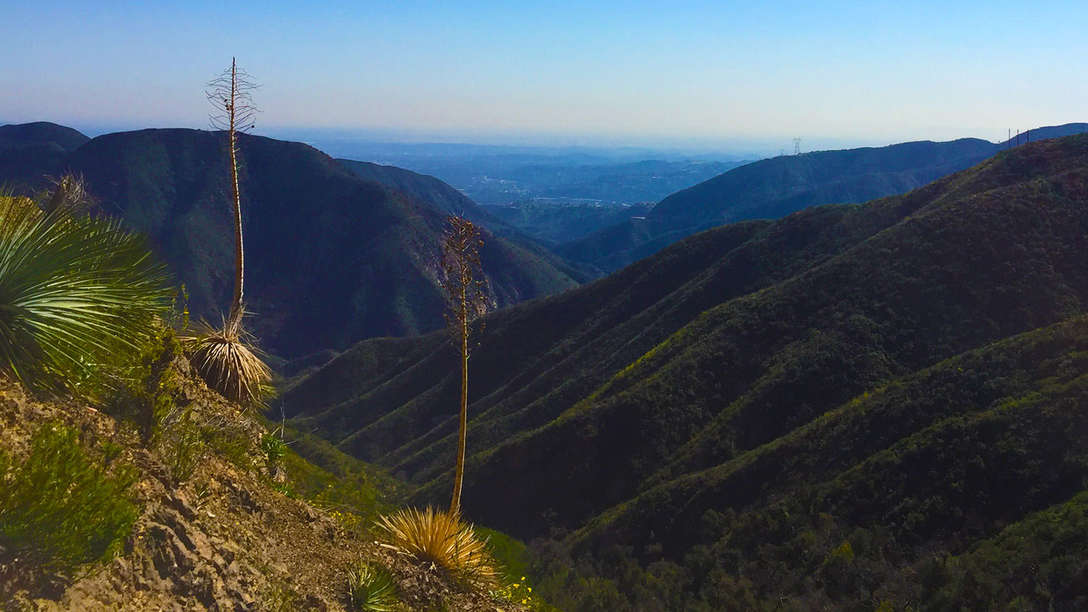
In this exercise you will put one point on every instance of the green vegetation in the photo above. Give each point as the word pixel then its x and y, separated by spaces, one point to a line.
pixel 370 588
pixel 800 413
pixel 510 554
pixel 1037 563
pixel 61 506
pixel 78 294
pixel 274 449
pixel 149 396
pixel 512 561
pixel 149 389
pixel 354 491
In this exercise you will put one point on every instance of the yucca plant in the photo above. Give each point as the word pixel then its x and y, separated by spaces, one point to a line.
pixel 371 589
pixel 228 362
pixel 441 538
pixel 78 294
pixel 225 357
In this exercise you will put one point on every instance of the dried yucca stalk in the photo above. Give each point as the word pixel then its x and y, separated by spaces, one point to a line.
pixel 228 363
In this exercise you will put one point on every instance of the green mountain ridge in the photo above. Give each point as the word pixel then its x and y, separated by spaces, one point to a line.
pixel 942 463
pixel 331 258
pixel 712 390
pixel 778 186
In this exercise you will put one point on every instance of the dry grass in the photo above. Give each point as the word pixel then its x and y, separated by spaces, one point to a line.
pixel 229 364
pixel 440 538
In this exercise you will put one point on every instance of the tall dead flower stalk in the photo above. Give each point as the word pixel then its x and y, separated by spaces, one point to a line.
pixel 466 299
pixel 223 357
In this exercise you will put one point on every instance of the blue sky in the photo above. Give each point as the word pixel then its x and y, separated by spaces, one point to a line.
pixel 608 73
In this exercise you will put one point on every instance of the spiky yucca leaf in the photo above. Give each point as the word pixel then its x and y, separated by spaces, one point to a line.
pixel 440 538
pixel 371 589
pixel 77 294
pixel 228 363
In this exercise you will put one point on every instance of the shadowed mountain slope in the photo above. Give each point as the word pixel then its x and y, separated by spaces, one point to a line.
pixel 911 367
pixel 960 485
pixel 330 258
pixel 448 199
pixel 420 186
pixel 775 187
pixel 721 342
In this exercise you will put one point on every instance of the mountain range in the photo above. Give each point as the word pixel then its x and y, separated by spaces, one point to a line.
pixel 332 257
pixel 853 404
pixel 771 188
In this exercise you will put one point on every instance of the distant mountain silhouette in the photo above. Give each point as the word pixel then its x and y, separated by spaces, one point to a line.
pixel 39 133
pixel 31 151
pixel 775 187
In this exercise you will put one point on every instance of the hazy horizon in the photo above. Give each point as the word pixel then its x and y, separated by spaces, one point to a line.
pixel 339 141
pixel 690 75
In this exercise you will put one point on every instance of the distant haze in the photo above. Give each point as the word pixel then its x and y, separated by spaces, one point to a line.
pixel 723 76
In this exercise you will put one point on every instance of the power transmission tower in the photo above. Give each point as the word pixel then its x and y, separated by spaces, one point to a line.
pixel 796 146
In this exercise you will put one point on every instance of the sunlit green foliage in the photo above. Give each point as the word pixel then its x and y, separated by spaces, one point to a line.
pixel 78 294
pixel 274 449
pixel 370 588
pixel 60 506
pixel 148 393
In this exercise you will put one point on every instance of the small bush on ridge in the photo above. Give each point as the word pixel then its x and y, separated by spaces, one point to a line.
pixel 60 508
pixel 371 589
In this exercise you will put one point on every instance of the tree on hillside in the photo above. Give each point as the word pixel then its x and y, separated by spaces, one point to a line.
pixel 466 299
pixel 222 357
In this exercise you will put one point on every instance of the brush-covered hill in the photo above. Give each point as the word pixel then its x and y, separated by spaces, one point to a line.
pixel 29 151
pixel 825 410
pixel 446 198
pixel 775 187
pixel 331 258
pixel 179 500
pixel 419 186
